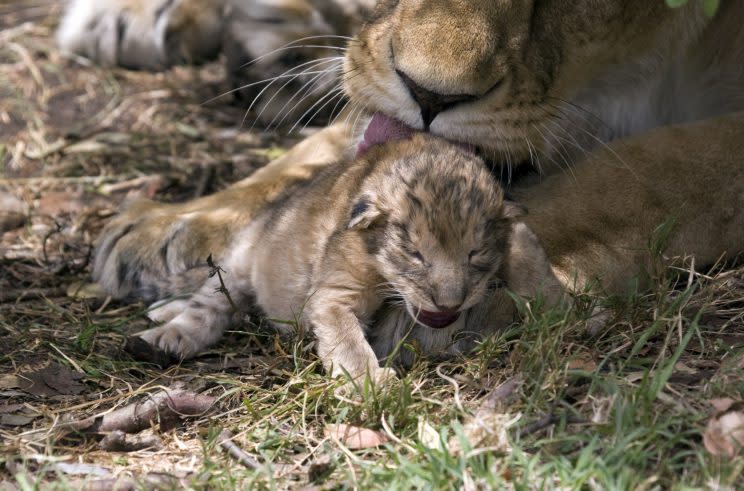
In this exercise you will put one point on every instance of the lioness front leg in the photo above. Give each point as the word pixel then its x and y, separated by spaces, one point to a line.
pixel 599 223
pixel 154 250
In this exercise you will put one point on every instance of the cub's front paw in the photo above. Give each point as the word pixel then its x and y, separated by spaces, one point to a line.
pixel 141 350
pixel 168 344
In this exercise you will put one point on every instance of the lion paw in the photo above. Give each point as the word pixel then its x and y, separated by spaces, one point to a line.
pixel 151 251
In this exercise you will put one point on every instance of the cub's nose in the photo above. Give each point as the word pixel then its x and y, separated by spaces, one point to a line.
pixel 432 103
pixel 448 308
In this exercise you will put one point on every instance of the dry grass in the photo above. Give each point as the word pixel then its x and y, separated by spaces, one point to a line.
pixel 621 410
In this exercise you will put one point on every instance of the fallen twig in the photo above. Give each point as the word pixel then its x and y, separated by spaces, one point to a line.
pixel 548 420
pixel 150 481
pixel 166 407
pixel 225 441
pixel 118 441
pixel 542 423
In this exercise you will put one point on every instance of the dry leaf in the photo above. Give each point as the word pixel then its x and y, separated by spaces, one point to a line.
pixel 354 437
pixel 55 203
pixel 724 435
pixel 489 426
pixel 428 436
pixel 583 363
pixel 15 419
pixel 13 212
pixel 78 469
pixel 10 408
pixel 81 290
pixel 10 382
pixel 486 429
pixel 601 408
pixel 722 404
pixel 53 380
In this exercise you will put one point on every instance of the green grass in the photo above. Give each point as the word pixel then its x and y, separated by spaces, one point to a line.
pixel 621 413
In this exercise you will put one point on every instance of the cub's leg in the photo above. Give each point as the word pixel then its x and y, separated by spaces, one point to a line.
pixel 198 323
pixel 194 324
pixel 153 250
pixel 165 310
pixel 598 222
pixel 342 345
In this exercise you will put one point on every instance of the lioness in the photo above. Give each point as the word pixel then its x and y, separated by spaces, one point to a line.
pixel 627 110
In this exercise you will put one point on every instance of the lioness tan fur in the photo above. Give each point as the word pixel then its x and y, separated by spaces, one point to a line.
pixel 419 223
pixel 630 108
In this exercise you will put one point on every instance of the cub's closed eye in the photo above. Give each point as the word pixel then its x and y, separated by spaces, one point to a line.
pixel 416 255
pixel 472 254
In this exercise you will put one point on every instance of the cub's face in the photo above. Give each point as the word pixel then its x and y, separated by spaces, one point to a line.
pixel 438 227
pixel 503 74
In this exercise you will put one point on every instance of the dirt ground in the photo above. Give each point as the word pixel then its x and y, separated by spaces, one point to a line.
pixel 77 141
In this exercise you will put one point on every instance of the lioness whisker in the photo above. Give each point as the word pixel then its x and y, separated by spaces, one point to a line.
pixel 292 44
pixel 289 73
pixel 337 93
pixel 259 82
pixel 303 93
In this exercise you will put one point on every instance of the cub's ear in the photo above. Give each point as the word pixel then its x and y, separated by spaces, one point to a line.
pixel 512 209
pixel 363 214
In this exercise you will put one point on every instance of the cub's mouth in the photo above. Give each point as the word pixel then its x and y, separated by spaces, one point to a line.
pixel 436 320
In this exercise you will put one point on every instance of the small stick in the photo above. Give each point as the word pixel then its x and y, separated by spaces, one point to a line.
pixel 542 423
pixel 118 441
pixel 215 269
pixel 165 407
pixel 225 441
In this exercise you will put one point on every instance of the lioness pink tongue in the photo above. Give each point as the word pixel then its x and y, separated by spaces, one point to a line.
pixel 383 129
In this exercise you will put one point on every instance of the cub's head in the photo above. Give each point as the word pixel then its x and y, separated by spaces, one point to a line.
pixel 504 74
pixel 436 223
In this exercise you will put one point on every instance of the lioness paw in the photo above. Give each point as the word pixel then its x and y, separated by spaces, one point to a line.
pixel 151 251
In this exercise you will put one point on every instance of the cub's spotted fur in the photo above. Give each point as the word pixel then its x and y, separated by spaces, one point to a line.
pixel 419 222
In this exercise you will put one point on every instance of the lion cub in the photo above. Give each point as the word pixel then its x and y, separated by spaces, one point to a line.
pixel 419 223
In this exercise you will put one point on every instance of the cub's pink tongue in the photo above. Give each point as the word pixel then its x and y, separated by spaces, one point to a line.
pixel 437 320
pixel 382 129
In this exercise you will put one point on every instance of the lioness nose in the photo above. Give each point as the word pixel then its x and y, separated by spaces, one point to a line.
pixel 432 103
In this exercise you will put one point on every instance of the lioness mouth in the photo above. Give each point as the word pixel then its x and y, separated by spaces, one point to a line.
pixel 382 129
pixel 437 320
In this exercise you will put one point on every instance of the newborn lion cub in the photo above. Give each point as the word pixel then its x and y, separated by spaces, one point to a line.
pixel 419 221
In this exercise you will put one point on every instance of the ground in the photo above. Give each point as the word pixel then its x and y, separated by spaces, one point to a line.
pixel 638 399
